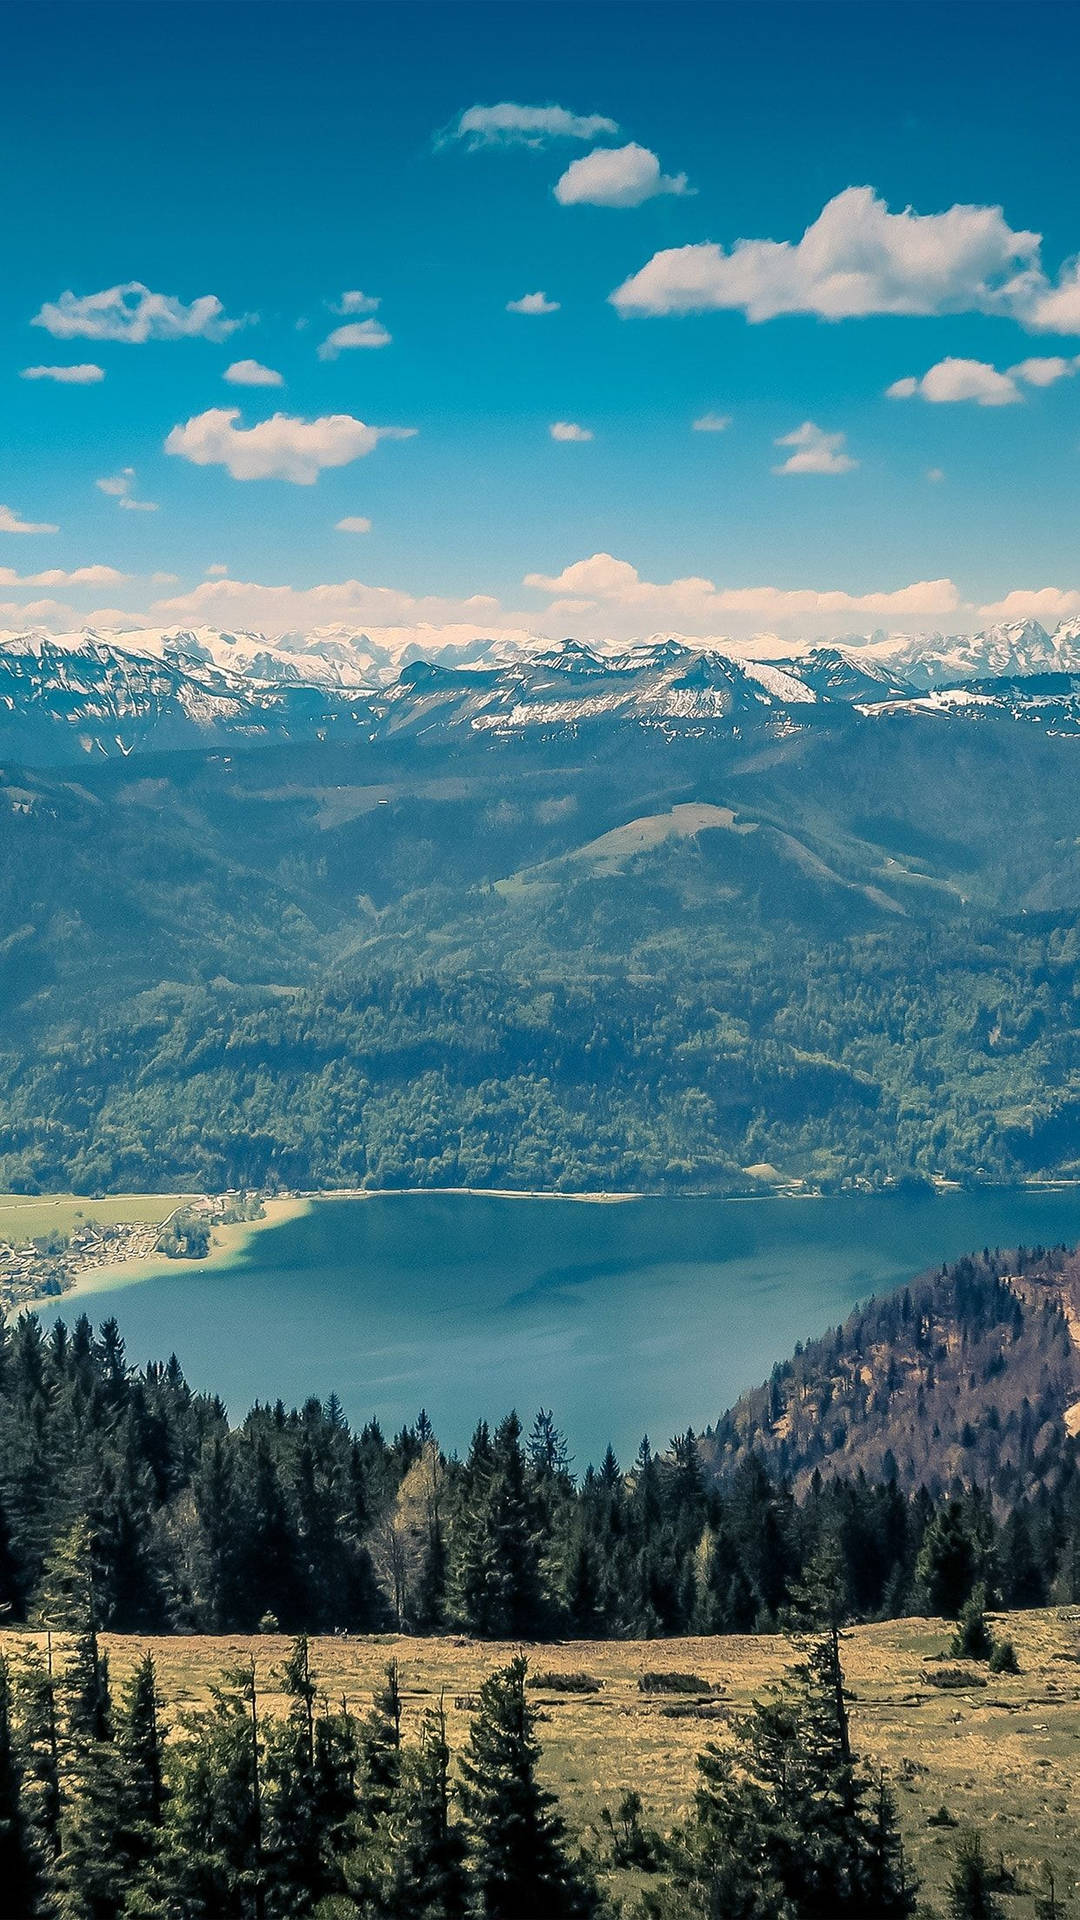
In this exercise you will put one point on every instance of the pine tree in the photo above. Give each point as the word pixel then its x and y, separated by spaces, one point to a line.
pixel 304 1811
pixel 972 1639
pixel 971 1895
pixel 497 1583
pixel 20 1858
pixel 66 1599
pixel 140 1759
pixel 211 1864
pixel 90 1868
pixel 521 1866
pixel 788 1826
pixel 39 1748
pixel 949 1561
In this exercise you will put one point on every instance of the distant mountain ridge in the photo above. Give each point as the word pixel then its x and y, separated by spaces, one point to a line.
pixel 67 696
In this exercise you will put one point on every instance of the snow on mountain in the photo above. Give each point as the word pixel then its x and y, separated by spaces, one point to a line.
pixel 162 688
pixel 1013 648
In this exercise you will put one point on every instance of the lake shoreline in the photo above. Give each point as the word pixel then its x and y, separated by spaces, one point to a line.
pixel 230 1243
pixel 227 1245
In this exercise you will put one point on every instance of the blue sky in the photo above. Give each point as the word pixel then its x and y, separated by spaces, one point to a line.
pixel 270 159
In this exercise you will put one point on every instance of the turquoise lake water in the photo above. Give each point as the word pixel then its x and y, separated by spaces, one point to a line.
pixel 647 1315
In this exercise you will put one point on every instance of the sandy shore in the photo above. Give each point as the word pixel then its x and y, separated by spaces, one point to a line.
pixel 477 1193
pixel 227 1245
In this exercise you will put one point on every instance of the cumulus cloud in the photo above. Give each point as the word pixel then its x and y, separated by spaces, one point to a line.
pixel 376 610
pixel 120 487
pixel 510 125
pixel 856 258
pixel 697 606
pixel 132 313
pixel 712 423
pixel 217 570
pixel 1043 372
pixel 252 373
pixel 357 302
pixel 281 448
pixel 616 177
pixel 815 451
pixel 569 430
pixel 976 380
pixel 358 333
pixel 353 523
pixel 953 379
pixel 1045 604
pixel 57 577
pixel 532 303
pixel 11 523
pixel 1056 309
pixel 84 375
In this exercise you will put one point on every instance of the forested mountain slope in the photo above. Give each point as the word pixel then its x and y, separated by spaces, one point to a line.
pixel 969 1376
pixel 607 948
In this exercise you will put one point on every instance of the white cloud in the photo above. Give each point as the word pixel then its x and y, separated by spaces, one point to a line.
pixel 1057 309
pixel 359 333
pixel 532 303
pixel 217 571
pixel 132 313
pixel 353 523
pixel 252 373
pixel 57 577
pixel 508 124
pixel 815 451
pixel 698 607
pixel 281 448
pixel 119 487
pixel 935 475
pixel 84 375
pixel 616 177
pixel 357 302
pixel 569 430
pixel 11 523
pixel 1046 604
pixel 952 380
pixel 164 579
pixel 856 258
pixel 712 423
pixel 1043 372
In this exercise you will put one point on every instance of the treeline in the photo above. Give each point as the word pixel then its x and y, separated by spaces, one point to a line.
pixel 293 1521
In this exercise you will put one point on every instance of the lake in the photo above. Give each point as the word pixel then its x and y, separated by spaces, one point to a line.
pixel 645 1315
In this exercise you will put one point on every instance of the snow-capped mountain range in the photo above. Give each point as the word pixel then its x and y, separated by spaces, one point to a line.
pixel 157 689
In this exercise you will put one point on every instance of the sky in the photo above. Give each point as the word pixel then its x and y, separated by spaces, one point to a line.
pixel 602 320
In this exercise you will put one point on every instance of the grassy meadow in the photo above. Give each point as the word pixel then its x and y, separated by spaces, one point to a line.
pixel 1004 1756
pixel 25 1217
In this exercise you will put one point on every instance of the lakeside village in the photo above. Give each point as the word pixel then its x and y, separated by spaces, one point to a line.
pixel 49 1264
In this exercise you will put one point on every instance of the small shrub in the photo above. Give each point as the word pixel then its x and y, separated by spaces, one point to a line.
pixel 632 1844
pixel 553 1682
pixel 942 1818
pixel 673 1682
pixel 954 1678
pixel 1003 1658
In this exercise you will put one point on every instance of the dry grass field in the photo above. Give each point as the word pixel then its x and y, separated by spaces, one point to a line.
pixel 1004 1756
